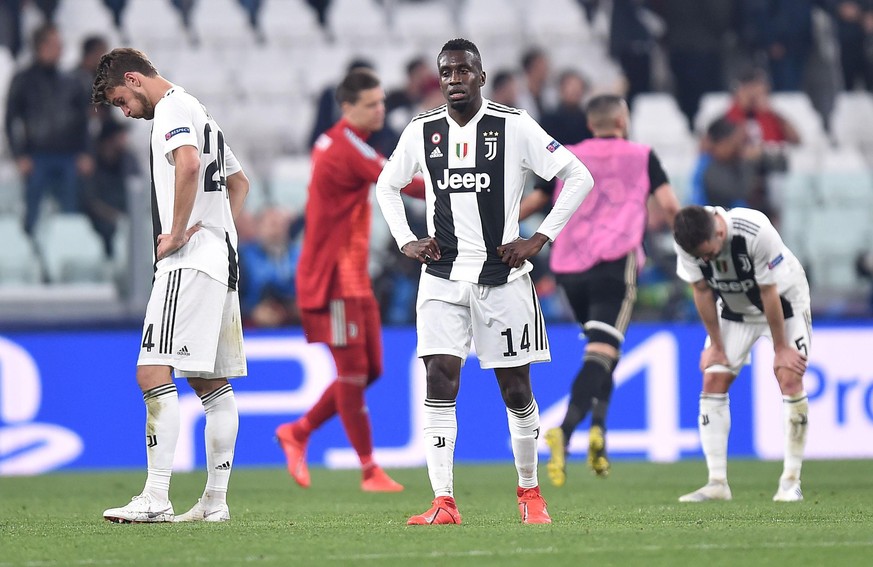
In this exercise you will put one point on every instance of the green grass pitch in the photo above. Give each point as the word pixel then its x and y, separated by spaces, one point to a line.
pixel 632 518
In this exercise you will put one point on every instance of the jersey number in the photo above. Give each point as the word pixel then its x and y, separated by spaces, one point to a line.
pixel 216 168
pixel 525 341
pixel 147 341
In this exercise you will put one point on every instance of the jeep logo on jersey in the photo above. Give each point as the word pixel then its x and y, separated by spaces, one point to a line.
pixel 464 180
pixel 735 286
pixel 490 145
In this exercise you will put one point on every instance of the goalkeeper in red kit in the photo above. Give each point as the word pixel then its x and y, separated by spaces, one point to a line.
pixel 334 291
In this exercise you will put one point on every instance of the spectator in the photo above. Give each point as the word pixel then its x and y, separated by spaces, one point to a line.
pixel 105 192
pixel 10 25
pixel 402 104
pixel 567 122
pixel 504 89
pixel 723 176
pixel 696 30
pixel 534 94
pixel 269 270
pixel 854 27
pixel 329 113
pixel 779 32
pixel 751 107
pixel 631 44
pixel 93 47
pixel 47 128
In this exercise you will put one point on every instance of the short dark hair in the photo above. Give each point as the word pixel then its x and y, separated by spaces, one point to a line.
pixel 461 44
pixel 113 66
pixel 357 80
pixel 692 226
pixel 601 109
pixel 92 43
pixel 721 129
pixel 530 57
pixel 750 75
pixel 501 79
pixel 413 64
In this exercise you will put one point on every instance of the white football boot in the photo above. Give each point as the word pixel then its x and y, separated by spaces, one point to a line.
pixel 200 513
pixel 789 491
pixel 141 509
pixel 714 490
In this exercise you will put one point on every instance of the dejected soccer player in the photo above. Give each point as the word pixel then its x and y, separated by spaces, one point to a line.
pixel 738 257
pixel 475 285
pixel 192 322
pixel 334 291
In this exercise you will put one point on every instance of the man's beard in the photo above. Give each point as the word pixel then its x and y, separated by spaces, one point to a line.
pixel 148 109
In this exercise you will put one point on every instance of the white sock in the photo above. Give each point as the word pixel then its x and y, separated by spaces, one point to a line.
pixel 162 432
pixel 222 424
pixel 795 410
pixel 714 426
pixel 524 429
pixel 440 432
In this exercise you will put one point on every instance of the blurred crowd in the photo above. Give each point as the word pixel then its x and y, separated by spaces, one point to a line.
pixel 78 155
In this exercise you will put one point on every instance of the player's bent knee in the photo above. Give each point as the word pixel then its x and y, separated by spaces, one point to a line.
pixel 599 336
pixel 717 381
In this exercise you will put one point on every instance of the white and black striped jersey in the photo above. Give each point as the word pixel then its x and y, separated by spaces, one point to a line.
pixel 474 178
pixel 753 255
pixel 180 120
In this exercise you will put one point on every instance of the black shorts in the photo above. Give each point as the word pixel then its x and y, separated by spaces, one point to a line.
pixel 602 298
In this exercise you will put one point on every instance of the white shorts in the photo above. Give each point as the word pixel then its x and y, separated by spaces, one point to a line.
pixel 740 336
pixel 193 324
pixel 505 321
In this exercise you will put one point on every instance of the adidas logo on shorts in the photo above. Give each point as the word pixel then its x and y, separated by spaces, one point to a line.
pixel 183 351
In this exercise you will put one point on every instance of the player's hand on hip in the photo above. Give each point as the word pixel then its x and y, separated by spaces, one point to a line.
pixel 425 250
pixel 516 252
pixel 169 243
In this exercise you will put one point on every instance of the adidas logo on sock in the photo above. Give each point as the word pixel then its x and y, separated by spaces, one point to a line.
pixel 225 466
pixel 183 351
pixel 436 153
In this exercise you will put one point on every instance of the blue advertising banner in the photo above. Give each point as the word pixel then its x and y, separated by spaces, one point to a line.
pixel 70 400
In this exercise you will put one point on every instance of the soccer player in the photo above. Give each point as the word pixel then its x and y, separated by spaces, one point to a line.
pixel 762 290
pixel 334 292
pixel 596 260
pixel 192 322
pixel 475 284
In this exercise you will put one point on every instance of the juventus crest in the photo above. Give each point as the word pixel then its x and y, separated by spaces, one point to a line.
pixel 490 144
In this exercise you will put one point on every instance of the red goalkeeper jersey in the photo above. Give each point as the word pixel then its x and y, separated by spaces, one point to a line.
pixel 333 263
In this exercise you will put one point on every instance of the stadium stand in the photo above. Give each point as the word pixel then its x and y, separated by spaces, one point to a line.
pixel 262 84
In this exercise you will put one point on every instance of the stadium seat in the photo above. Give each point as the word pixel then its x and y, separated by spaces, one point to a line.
pixel 851 119
pixel 359 23
pixel 287 183
pixel 223 25
pixel 290 23
pixel 844 179
pixel 492 20
pixel 797 109
pixel 712 106
pixel 19 264
pixel 656 120
pixel 71 250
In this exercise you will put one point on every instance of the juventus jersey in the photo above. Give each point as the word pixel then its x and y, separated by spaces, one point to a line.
pixel 753 255
pixel 180 120
pixel 474 177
